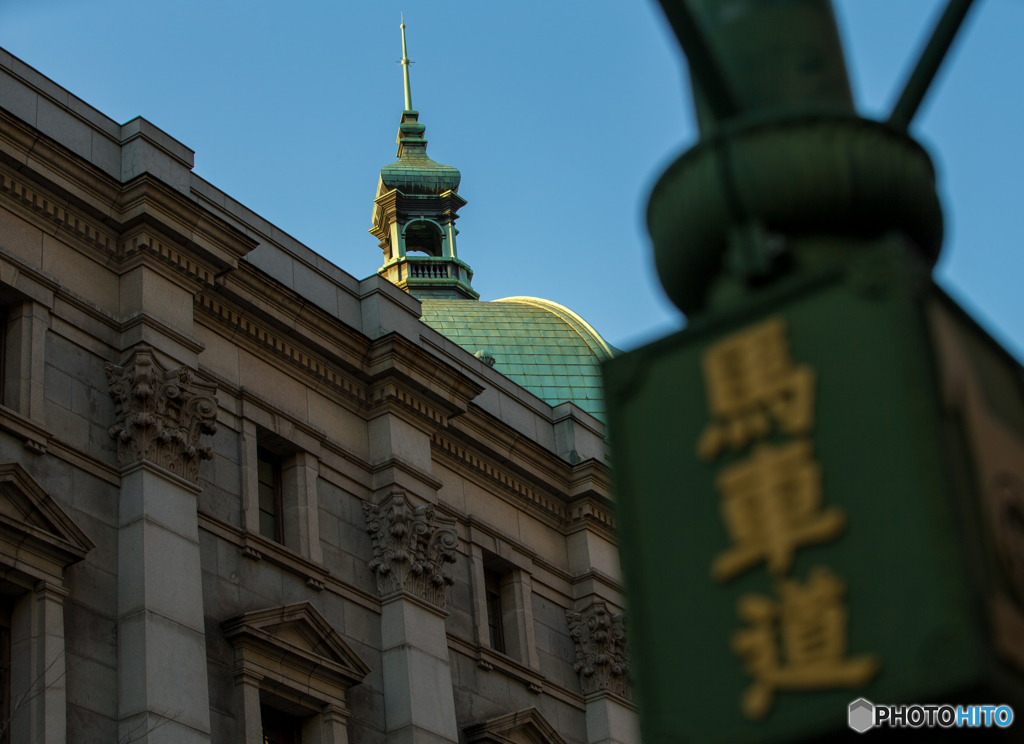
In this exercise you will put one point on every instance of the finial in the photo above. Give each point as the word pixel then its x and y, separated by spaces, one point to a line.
pixel 405 64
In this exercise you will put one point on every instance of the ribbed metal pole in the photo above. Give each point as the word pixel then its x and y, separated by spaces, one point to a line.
pixel 929 63
pixel 703 66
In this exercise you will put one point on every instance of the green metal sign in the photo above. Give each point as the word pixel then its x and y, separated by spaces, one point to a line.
pixel 788 537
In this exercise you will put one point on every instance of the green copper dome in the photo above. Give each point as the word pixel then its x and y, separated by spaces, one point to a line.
pixel 541 345
pixel 414 172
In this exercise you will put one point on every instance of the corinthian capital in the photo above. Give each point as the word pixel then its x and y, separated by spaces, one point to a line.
pixel 602 658
pixel 161 414
pixel 410 547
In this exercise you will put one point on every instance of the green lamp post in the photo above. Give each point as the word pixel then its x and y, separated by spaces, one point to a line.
pixel 817 478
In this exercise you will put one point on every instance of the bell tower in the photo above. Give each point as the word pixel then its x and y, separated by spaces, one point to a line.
pixel 414 214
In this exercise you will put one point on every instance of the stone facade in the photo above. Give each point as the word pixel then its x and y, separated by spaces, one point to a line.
pixel 240 489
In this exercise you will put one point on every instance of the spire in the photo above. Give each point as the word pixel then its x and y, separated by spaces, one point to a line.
pixel 415 211
pixel 405 64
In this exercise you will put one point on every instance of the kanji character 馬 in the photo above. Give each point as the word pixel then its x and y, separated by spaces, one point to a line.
pixel 751 380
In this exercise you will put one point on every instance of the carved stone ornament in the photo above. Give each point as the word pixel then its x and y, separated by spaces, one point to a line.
pixel 602 658
pixel 410 547
pixel 161 414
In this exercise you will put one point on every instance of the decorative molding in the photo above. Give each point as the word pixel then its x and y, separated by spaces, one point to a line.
pixel 161 414
pixel 491 661
pixel 410 547
pixel 524 725
pixel 49 208
pixel 602 657
pixel 388 392
pixel 281 348
pixel 450 388
pixel 35 438
pixel 145 242
pixel 496 475
pixel 258 548
pixel 37 537
pixel 591 514
pixel 124 249
pixel 296 646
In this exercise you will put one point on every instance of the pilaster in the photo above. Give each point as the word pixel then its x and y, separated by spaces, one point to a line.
pixel 610 720
pixel 248 721
pixel 410 547
pixel 162 675
pixel 250 480
pixel 39 666
pixel 301 515
pixel 517 618
pixel 603 664
pixel 25 356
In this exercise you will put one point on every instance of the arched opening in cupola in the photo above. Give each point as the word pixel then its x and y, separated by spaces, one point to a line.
pixel 425 237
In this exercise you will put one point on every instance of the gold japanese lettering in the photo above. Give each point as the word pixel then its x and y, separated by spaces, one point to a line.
pixel 771 503
pixel 751 380
pixel 797 642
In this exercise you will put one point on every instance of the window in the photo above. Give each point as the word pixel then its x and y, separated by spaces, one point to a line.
pixel 423 236
pixel 279 727
pixel 279 493
pixel 276 653
pixel 495 623
pixel 269 476
pixel 503 606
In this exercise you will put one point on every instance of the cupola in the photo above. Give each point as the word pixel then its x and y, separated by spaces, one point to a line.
pixel 415 211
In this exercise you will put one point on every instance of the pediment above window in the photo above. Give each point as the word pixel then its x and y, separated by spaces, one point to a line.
pixel 293 643
pixel 37 536
pixel 526 726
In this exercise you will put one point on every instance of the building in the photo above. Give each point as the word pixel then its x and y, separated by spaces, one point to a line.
pixel 247 497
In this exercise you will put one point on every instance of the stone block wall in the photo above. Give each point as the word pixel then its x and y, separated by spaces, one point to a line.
pixel 554 644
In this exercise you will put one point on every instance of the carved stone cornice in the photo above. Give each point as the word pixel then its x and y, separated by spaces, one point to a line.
pixel 63 172
pixel 448 389
pixel 489 474
pixel 263 339
pixel 592 514
pixel 410 547
pixel 142 243
pixel 388 397
pixel 147 199
pixel 602 657
pixel 55 211
pixel 161 414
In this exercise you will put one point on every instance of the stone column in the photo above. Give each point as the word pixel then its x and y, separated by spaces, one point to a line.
pixel 602 661
pixel 26 356
pixel 248 716
pixel 37 645
pixel 161 641
pixel 250 484
pixel 301 514
pixel 330 727
pixel 517 617
pixel 410 547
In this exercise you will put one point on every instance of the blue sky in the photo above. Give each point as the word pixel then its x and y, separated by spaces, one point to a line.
pixel 560 116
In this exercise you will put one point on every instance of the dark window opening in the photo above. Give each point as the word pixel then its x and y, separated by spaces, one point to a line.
pixel 492 588
pixel 279 727
pixel 269 473
pixel 424 237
